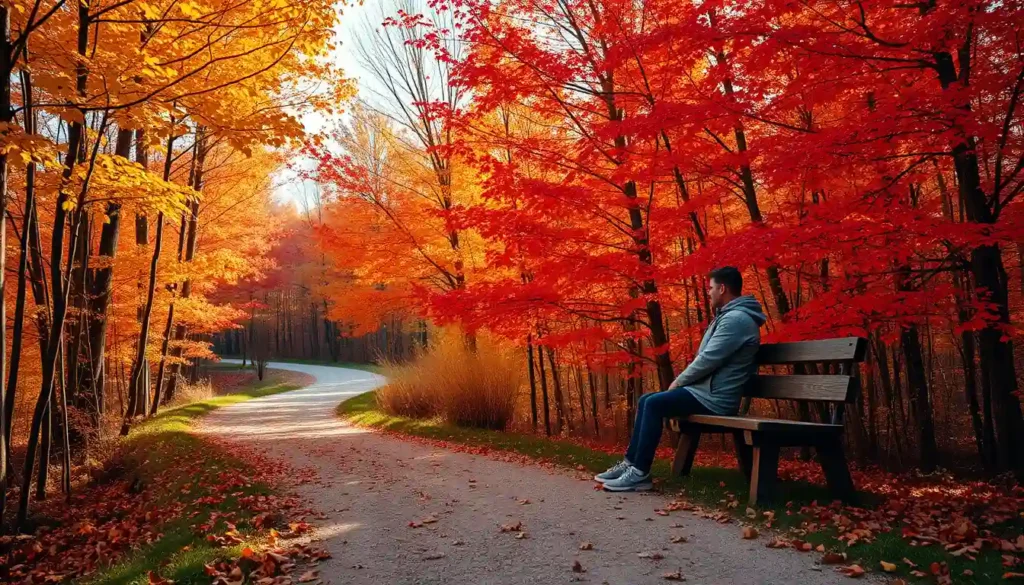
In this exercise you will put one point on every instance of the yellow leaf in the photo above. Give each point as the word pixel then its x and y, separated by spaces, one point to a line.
pixel 190 9
pixel 888 567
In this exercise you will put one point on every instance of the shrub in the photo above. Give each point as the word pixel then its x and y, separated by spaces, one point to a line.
pixel 462 386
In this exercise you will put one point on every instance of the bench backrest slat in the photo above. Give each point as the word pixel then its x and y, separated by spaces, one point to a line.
pixel 826 388
pixel 825 350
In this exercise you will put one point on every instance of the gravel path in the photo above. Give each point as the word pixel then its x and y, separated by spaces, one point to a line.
pixel 371 486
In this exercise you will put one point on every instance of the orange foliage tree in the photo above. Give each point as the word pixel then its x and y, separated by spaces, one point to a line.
pixel 163 111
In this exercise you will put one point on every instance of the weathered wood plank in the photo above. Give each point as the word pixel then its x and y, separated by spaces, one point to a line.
pixel 825 350
pixel 821 387
pixel 837 472
pixel 754 423
pixel 764 474
pixel 744 454
pixel 685 452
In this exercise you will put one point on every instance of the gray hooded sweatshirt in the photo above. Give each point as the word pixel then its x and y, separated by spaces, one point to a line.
pixel 725 359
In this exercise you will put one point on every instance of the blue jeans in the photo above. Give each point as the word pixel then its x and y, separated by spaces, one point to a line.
pixel 651 412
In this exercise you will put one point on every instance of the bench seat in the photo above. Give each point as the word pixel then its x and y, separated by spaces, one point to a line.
pixel 756 423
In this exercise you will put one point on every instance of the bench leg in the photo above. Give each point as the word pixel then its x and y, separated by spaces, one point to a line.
pixel 764 473
pixel 744 454
pixel 837 472
pixel 685 452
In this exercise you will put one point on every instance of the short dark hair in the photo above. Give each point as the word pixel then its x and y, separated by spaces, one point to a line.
pixel 730 277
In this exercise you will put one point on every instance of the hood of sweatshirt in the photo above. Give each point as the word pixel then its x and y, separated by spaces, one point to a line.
pixel 749 305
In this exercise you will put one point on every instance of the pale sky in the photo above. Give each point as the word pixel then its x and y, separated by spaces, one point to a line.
pixel 288 188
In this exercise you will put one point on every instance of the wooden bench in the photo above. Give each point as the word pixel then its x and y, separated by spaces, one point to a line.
pixel 758 439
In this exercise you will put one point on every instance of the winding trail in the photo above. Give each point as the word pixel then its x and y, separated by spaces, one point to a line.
pixel 371 486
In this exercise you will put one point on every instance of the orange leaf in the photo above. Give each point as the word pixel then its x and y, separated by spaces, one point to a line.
pixel 854 571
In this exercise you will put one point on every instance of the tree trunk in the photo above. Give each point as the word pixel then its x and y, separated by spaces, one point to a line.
pixel 582 394
pixel 102 286
pixel 872 408
pixel 80 292
pixel 559 406
pixel 65 441
pixel 6 115
pixel 968 352
pixel 544 392
pixel 642 249
pixel 59 298
pixel 746 177
pixel 138 381
pixel 593 400
pixel 920 398
pixel 158 392
pixel 990 279
pixel 45 445
pixel 533 381
pixel 189 254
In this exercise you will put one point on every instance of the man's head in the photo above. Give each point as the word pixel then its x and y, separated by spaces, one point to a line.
pixel 724 285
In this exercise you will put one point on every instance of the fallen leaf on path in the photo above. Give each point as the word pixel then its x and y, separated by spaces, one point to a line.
pixel 577 567
pixel 777 542
pixel 888 567
pixel 749 532
pixel 676 576
pixel 430 519
pixel 678 539
pixel 517 527
pixel 802 546
pixel 520 535
pixel 319 554
pixel 751 513
pixel 854 571
pixel 654 556
pixel 833 558
pixel 434 556
pixel 587 546
pixel 309 576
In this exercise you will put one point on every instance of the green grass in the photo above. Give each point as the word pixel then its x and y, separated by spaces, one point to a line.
pixel 708 486
pixel 154 453
pixel 703 484
pixel 349 365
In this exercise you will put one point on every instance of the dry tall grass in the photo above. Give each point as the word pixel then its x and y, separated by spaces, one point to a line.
pixel 463 387
pixel 187 392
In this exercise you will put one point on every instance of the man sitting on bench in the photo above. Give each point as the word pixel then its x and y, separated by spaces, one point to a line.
pixel 712 383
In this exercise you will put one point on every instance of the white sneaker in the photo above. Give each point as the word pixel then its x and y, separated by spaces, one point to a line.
pixel 614 472
pixel 633 480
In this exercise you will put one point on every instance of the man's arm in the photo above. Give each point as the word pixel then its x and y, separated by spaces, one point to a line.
pixel 725 341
